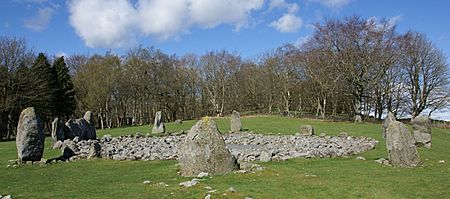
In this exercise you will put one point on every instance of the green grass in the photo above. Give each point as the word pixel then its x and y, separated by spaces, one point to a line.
pixel 295 178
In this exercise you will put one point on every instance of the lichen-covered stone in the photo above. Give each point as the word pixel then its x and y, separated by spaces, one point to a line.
pixel 389 118
pixel 400 146
pixel 422 131
pixel 306 130
pixel 235 122
pixel 203 150
pixel 158 124
pixel 30 136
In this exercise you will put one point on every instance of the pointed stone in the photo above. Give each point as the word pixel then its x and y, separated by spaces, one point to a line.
pixel 389 118
pixel 203 150
pixel 400 146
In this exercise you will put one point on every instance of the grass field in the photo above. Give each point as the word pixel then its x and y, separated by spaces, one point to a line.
pixel 295 178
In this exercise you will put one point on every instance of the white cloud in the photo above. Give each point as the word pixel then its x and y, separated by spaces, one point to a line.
pixel 335 4
pixel 117 23
pixel 287 23
pixel 210 13
pixel 103 23
pixel 281 4
pixel 40 21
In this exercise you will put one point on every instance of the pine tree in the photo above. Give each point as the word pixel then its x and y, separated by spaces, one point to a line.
pixel 66 102
pixel 44 91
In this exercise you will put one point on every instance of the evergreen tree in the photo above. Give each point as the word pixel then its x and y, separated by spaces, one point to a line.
pixel 44 90
pixel 66 102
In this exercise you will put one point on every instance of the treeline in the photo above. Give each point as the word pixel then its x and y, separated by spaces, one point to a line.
pixel 352 67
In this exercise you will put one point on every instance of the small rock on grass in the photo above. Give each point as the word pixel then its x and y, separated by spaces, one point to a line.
pixel 231 189
pixel 191 183
pixel 202 175
pixel 208 196
pixel 146 181
pixel 360 158
pixel 442 161
pixel 382 161
pixel 6 197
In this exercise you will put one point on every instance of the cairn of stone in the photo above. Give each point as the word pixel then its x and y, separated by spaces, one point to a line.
pixel 235 121
pixel 389 118
pixel 158 124
pixel 306 130
pixel 422 131
pixel 203 150
pixel 30 136
pixel 400 146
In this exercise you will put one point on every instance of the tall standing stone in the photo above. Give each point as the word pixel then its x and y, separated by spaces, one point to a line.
pixel 158 124
pixel 389 118
pixel 74 127
pixel 57 131
pixel 30 136
pixel 235 121
pixel 203 150
pixel 400 146
pixel 422 131
pixel 90 126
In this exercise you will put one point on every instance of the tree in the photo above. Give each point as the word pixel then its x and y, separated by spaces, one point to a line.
pixel 66 103
pixel 14 54
pixel 426 71
pixel 44 91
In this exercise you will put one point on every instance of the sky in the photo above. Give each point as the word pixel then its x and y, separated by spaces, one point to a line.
pixel 246 27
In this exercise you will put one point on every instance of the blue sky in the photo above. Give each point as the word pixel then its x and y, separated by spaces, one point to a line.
pixel 247 27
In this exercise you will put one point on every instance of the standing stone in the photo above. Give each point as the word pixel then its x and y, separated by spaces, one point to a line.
pixel 158 125
pixel 30 136
pixel 74 129
pixel 235 121
pixel 422 131
pixel 90 125
pixel 306 130
pixel 57 131
pixel 400 146
pixel 389 118
pixel 203 150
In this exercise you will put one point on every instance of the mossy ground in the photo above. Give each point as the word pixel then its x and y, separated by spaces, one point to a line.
pixel 296 178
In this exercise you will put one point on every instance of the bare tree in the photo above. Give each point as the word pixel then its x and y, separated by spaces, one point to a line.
pixel 427 73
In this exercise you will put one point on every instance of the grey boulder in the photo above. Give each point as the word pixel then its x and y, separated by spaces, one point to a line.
pixel 203 150
pixel 30 136
pixel 235 122
pixel 422 131
pixel 400 146
pixel 306 130
pixel 158 124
